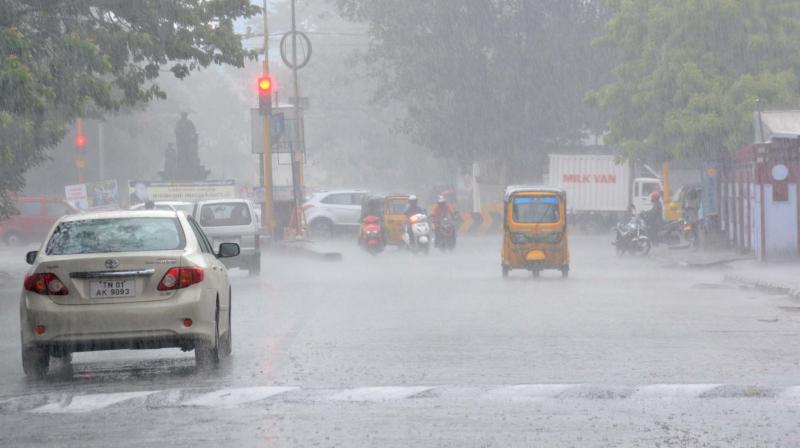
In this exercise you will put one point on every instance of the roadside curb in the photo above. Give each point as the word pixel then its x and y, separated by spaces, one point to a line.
pixel 770 287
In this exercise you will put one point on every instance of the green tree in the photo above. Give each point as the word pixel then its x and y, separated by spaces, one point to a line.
pixel 693 71
pixel 62 59
pixel 479 79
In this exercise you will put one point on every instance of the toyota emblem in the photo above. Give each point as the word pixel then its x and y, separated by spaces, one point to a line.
pixel 112 263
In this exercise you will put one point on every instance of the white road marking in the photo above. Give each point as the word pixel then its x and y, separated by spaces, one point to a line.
pixel 88 403
pixel 378 394
pixel 236 396
pixel 673 390
pixel 524 392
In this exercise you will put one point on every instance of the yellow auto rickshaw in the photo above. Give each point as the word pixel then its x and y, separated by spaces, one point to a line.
pixel 535 230
pixel 394 217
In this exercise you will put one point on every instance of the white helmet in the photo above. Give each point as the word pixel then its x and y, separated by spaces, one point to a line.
pixel 441 199
pixel 412 198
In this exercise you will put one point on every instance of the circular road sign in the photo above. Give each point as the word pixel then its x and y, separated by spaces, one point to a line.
pixel 303 49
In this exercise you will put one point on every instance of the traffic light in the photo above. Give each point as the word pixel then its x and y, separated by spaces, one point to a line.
pixel 80 142
pixel 265 95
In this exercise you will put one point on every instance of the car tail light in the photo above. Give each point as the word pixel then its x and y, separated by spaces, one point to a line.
pixel 40 329
pixel 179 278
pixel 187 322
pixel 45 284
pixel 307 206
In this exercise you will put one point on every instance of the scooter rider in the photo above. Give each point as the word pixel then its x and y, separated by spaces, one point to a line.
pixel 412 209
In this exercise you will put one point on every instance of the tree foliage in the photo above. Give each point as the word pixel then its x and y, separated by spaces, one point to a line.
pixel 487 79
pixel 62 59
pixel 693 72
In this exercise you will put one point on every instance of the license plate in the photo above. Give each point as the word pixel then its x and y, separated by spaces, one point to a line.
pixel 113 288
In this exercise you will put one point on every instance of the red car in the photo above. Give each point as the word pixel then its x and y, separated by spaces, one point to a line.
pixel 36 216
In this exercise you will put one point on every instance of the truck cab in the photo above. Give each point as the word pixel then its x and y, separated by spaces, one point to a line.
pixel 642 188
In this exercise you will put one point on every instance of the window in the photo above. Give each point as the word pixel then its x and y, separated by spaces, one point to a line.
pixel 536 209
pixel 116 235
pixel 357 198
pixel 397 206
pixel 650 188
pixel 56 209
pixel 225 214
pixel 338 199
pixel 205 246
pixel 30 209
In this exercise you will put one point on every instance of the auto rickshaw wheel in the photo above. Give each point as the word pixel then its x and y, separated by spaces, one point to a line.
pixel 506 270
pixel 536 273
pixel 565 271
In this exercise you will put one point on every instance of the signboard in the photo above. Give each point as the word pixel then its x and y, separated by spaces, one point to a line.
pixel 144 190
pixel 277 126
pixel 103 195
pixel 76 196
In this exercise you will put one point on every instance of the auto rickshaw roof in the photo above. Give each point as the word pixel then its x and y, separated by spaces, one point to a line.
pixel 515 189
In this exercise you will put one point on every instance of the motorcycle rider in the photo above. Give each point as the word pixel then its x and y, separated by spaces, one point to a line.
pixel 441 210
pixel 654 218
pixel 439 213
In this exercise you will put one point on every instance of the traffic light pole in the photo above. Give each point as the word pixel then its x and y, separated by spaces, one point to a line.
pixel 297 169
pixel 267 213
pixel 80 161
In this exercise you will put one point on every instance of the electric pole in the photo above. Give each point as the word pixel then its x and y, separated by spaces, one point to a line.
pixel 267 215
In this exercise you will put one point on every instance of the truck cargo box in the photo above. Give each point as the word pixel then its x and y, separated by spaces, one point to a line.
pixel 594 183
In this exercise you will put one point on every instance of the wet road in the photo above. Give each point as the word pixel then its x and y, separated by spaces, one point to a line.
pixel 399 350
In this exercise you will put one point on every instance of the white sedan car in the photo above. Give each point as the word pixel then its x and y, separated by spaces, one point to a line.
pixel 125 280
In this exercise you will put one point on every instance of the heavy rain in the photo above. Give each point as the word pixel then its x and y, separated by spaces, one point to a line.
pixel 382 223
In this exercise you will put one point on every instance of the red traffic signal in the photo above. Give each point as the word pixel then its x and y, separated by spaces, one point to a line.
pixel 265 95
pixel 80 142
pixel 264 85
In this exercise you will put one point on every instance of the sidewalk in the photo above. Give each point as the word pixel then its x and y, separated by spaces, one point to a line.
pixel 780 277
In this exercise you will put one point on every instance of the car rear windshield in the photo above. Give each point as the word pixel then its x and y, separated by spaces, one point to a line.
pixel 535 209
pixel 225 214
pixel 116 235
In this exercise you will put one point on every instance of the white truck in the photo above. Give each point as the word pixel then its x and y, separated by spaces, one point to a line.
pixel 600 190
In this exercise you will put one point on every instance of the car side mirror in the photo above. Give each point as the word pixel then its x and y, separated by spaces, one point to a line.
pixel 228 250
pixel 30 257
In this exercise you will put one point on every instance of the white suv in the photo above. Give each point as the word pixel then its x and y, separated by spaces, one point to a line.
pixel 326 211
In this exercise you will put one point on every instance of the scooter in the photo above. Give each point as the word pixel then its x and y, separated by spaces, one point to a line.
pixel 417 235
pixel 631 238
pixel 370 236
pixel 445 234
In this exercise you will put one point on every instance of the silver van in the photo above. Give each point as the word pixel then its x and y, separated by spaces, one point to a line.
pixel 233 221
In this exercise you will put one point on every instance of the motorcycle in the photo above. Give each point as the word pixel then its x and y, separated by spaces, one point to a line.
pixel 370 236
pixel 445 235
pixel 417 236
pixel 631 238
pixel 668 233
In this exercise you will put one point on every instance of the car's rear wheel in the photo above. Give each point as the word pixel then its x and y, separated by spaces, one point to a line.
pixel 322 228
pixel 35 362
pixel 227 344
pixel 207 354
pixel 254 267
